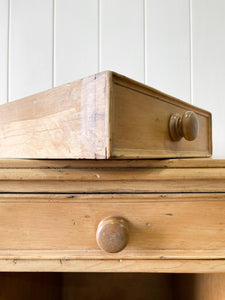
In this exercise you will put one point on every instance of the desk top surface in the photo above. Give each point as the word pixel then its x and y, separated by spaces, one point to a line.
pixel 82 163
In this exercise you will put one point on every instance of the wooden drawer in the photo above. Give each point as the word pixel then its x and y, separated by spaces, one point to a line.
pixel 172 226
pixel 103 116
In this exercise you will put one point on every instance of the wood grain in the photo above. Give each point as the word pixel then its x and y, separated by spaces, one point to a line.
pixel 140 120
pixel 114 266
pixel 199 286
pixel 156 223
pixel 115 163
pixel 99 255
pixel 169 232
pixel 63 122
pixel 170 186
pixel 102 116
pixel 120 174
pixel 107 176
pixel 209 286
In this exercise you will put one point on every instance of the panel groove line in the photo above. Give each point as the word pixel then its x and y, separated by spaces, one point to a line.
pixel 30 56
pixel 4 30
pixel 53 42
pixel 8 48
pixel 76 39
pixel 208 26
pixel 122 37
pixel 145 41
pixel 168 47
pixel 191 52
pixel 99 36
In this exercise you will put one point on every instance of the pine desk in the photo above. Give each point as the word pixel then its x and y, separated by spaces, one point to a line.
pixel 174 211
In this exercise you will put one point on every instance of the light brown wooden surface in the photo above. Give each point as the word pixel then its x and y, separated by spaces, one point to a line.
pixel 186 126
pixel 115 163
pixel 209 286
pixel 112 234
pixel 199 286
pixel 171 186
pixel 160 226
pixel 113 266
pixel 119 174
pixel 80 176
pixel 102 116
pixel 170 232
pixel 129 176
pixel 140 123
pixel 64 122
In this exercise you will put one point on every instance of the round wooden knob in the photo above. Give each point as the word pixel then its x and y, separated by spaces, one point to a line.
pixel 186 126
pixel 112 234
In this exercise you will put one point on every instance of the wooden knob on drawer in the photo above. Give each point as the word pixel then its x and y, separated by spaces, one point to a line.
pixel 112 234
pixel 186 126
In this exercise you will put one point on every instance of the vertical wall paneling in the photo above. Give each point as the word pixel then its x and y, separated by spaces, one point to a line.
pixel 30 61
pixel 168 46
pixel 3 50
pixel 76 39
pixel 208 31
pixel 175 46
pixel 122 37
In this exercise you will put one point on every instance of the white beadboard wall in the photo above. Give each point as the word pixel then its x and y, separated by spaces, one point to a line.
pixel 175 46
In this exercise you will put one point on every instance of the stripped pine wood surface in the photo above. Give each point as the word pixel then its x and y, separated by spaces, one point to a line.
pixel 171 224
pixel 115 163
pixel 177 223
pixel 200 286
pixel 115 266
pixel 99 116
pixel 109 176
pixel 119 174
pixel 58 123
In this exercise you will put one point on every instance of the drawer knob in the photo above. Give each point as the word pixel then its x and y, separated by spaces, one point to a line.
pixel 186 126
pixel 112 234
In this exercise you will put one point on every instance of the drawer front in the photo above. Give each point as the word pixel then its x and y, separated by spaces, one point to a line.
pixel 159 226
pixel 141 124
